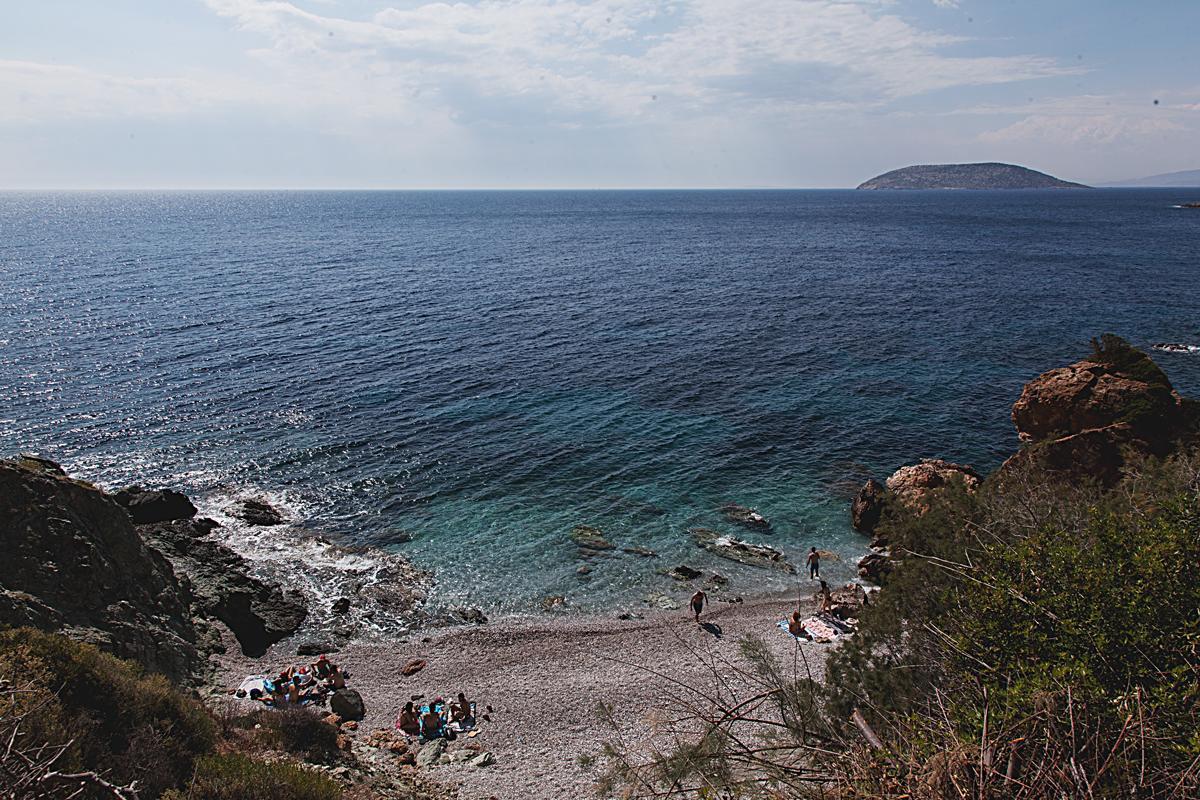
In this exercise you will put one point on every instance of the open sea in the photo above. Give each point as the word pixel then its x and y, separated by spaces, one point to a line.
pixel 465 376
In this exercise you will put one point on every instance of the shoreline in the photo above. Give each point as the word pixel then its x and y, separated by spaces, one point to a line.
pixel 545 677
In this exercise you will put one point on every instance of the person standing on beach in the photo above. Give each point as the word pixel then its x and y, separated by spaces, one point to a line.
pixel 814 564
pixel 698 604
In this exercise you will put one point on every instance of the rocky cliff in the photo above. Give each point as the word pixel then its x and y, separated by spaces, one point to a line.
pixel 76 563
pixel 1081 422
pixel 967 176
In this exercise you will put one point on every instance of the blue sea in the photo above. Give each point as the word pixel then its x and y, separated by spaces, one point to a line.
pixel 465 376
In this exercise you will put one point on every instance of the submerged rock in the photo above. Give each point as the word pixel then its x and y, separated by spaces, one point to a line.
pixel 645 552
pixel 554 602
pixel 684 573
pixel 746 517
pixel 589 540
pixel 254 511
pixel 754 555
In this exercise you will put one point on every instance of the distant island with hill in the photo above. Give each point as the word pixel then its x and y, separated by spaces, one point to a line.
pixel 967 176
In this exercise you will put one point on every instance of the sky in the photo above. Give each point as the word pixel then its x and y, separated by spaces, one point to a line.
pixel 588 93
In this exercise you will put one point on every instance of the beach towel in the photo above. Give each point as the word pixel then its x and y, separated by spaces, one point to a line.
pixel 259 682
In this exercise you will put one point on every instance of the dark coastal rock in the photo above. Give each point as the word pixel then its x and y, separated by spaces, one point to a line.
pixel 315 647
pixel 867 506
pixel 684 573
pixel 472 616
pixel 341 606
pixel 991 175
pixel 34 463
pixel 348 704
pixel 258 613
pixel 754 555
pixel 746 517
pixel 645 552
pixel 253 511
pixel 590 541
pixel 73 564
pixel 154 505
pixel 874 567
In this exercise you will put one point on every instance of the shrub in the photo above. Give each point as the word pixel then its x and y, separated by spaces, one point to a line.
pixel 237 777
pixel 105 713
pixel 301 731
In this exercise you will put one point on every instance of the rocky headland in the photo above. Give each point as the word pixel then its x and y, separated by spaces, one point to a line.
pixel 1082 423
pixel 967 176
pixel 141 576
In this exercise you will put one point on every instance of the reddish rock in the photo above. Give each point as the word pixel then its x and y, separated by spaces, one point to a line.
pixel 912 485
pixel 413 667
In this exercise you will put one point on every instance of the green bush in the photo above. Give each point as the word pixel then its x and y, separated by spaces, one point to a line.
pixel 1040 619
pixel 237 777
pixel 113 718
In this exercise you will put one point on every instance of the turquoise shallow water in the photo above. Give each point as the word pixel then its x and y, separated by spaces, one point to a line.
pixel 465 376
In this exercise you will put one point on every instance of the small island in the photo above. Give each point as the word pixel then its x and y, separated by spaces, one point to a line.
pixel 967 176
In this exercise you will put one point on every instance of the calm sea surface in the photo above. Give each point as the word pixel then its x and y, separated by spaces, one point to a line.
pixel 479 372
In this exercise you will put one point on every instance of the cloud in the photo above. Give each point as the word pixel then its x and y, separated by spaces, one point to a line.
pixel 617 61
pixel 1090 120
pixel 946 3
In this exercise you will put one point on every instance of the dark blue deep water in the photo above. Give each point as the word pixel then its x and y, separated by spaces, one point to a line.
pixel 482 371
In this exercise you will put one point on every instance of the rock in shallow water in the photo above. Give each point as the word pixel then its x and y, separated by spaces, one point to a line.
pixel 867 507
pixel 746 517
pixel 255 512
pixel 589 540
pixel 754 555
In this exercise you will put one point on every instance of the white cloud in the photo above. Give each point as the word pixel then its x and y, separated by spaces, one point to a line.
pixel 946 3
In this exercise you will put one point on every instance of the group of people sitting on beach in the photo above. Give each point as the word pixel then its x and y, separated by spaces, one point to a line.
pixel 437 719
pixel 295 685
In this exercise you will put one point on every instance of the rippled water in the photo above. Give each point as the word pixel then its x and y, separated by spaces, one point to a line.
pixel 482 371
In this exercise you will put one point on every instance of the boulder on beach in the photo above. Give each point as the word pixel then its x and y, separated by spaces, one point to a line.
pixel 157 505
pixel 589 540
pixel 254 511
pixel 746 517
pixel 754 555
pixel 347 704
pixel 413 667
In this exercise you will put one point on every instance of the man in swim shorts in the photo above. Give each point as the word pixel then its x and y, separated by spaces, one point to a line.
pixel 814 564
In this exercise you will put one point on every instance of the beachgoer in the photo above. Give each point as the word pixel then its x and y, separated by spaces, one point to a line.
pixel 336 679
pixel 698 603
pixel 461 710
pixel 795 628
pixel 431 723
pixel 293 691
pixel 279 696
pixel 826 598
pixel 814 564
pixel 409 720
pixel 321 667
